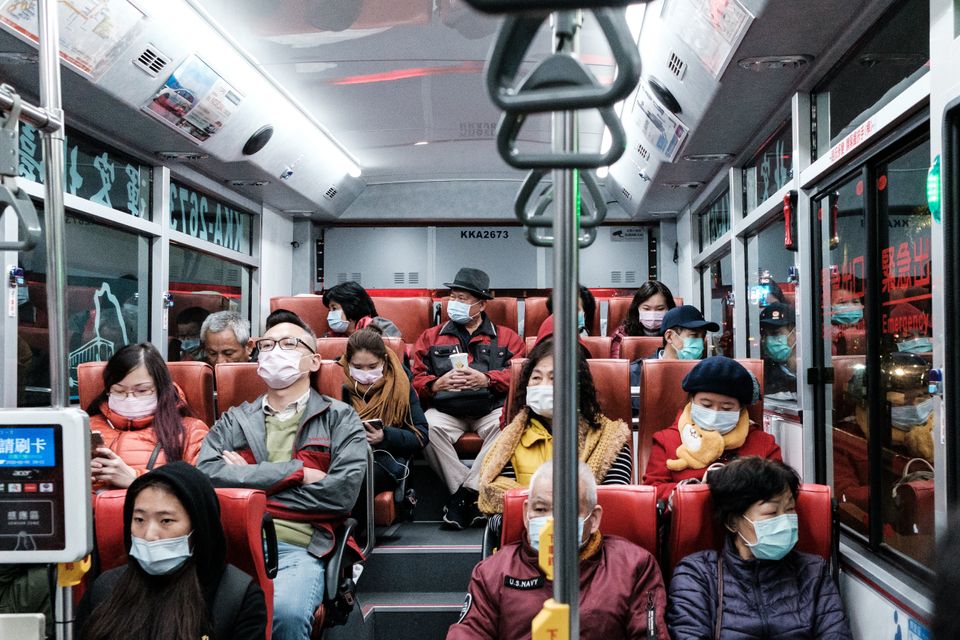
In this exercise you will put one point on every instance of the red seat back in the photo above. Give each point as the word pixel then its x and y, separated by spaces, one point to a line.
pixel 534 313
pixel 501 311
pixel 211 301
pixel 662 397
pixel 195 378
pixel 639 347
pixel 238 382
pixel 241 513
pixel 616 311
pixel 629 511
pixel 310 309
pixel 598 346
pixel 334 348
pixel 693 526
pixel 412 315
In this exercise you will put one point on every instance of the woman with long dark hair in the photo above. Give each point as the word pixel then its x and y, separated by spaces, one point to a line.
pixel 142 417
pixel 378 387
pixel 176 584
pixel 527 441
pixel 351 309
pixel 645 314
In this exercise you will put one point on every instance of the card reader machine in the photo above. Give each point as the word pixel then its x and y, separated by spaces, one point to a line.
pixel 44 486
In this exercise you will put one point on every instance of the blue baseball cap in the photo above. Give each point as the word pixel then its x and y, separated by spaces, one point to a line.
pixel 686 316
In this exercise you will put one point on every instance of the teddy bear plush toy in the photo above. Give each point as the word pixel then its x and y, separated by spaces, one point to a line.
pixel 700 447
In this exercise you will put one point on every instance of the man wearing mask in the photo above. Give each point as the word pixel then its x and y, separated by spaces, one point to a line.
pixel 461 371
pixel 618 579
pixel 778 329
pixel 188 345
pixel 307 452
pixel 684 334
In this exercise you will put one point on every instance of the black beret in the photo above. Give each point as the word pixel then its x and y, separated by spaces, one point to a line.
pixel 722 375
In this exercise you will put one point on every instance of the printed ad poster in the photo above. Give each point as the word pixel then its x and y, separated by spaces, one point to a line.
pixel 711 28
pixel 657 124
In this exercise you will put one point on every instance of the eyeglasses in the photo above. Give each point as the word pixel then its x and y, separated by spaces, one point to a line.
pixel 287 344
pixel 136 393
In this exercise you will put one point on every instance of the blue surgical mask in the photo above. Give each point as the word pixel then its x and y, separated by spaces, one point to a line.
pixel 911 415
pixel 23 295
pixel 916 345
pixel 846 314
pixel 459 312
pixel 337 322
pixel 778 347
pixel 720 421
pixel 160 557
pixel 581 321
pixel 776 537
pixel 536 525
pixel 692 349
pixel 189 344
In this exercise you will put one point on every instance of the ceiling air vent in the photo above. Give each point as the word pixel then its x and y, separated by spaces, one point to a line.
pixel 626 194
pixel 151 61
pixel 413 277
pixel 398 277
pixel 643 152
pixel 616 277
pixel 677 66
pixel 330 193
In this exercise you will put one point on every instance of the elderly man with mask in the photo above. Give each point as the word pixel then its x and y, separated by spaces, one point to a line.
pixel 619 581
pixel 461 371
pixel 307 452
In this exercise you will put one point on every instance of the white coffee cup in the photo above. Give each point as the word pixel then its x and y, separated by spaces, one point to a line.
pixel 458 360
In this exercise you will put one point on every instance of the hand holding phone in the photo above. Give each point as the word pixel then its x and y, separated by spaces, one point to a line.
pixel 375 424
pixel 96 440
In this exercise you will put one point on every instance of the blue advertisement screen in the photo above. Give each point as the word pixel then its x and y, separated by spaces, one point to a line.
pixel 27 447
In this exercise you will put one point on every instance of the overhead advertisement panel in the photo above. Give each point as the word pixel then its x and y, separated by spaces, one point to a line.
pixel 92 32
pixel 711 28
pixel 663 130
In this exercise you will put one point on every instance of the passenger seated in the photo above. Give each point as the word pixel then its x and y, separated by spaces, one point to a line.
pixel 143 418
pixel 768 589
pixel 527 442
pixel 352 309
pixel 586 310
pixel 225 336
pixel 778 331
pixel 684 333
pixel 619 580
pixel 25 588
pixel 380 389
pixel 645 315
pixel 713 427
pixel 187 345
pixel 463 398
pixel 176 583
pixel 307 451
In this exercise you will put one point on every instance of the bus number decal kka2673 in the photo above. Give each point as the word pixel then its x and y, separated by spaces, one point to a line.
pixel 485 235
pixel 208 219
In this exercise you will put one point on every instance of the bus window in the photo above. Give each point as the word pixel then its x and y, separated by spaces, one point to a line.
pixel 771 314
pixel 770 170
pixel 717 305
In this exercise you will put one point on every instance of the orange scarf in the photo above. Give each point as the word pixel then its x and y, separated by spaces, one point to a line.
pixel 387 399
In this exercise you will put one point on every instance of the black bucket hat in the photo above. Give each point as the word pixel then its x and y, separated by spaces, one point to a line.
pixel 473 280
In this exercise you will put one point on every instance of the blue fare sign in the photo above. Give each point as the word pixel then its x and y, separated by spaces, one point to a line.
pixel 27 447
pixel 93 172
pixel 207 218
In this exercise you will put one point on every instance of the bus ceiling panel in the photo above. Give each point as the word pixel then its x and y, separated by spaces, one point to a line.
pixel 723 106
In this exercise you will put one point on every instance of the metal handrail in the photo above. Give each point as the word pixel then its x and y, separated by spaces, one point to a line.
pixel 39 117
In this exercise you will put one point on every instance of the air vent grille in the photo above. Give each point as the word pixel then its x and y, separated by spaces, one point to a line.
pixel 413 277
pixel 344 277
pixel 616 277
pixel 677 66
pixel 643 152
pixel 151 61
pixel 630 277
pixel 330 193
pixel 626 194
pixel 399 277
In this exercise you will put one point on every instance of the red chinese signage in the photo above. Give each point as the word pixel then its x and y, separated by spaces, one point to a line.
pixel 853 140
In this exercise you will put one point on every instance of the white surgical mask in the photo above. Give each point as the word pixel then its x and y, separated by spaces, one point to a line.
pixel 720 421
pixel 366 376
pixel 912 414
pixel 459 311
pixel 132 407
pixel 336 321
pixel 160 557
pixel 540 400
pixel 651 319
pixel 535 527
pixel 280 368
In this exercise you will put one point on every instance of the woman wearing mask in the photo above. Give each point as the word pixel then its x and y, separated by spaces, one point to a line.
pixel 527 441
pixel 586 309
pixel 352 309
pixel 378 387
pixel 176 584
pixel 645 315
pixel 713 427
pixel 142 417
pixel 715 594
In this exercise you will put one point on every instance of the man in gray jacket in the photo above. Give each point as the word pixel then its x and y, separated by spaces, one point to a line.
pixel 307 452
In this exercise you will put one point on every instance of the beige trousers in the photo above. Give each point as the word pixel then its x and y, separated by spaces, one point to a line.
pixel 445 430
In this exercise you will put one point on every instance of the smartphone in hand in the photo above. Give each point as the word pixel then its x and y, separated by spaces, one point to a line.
pixel 376 424
pixel 96 440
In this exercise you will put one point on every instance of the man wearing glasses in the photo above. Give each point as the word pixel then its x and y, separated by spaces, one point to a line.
pixel 306 451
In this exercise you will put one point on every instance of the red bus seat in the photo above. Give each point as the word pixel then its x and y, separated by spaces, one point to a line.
pixel 246 525
pixel 534 313
pixel 616 311
pixel 501 311
pixel 598 346
pixel 334 348
pixel 629 511
pixel 694 528
pixel 662 397
pixel 412 315
pixel 639 347
pixel 310 309
pixel 195 378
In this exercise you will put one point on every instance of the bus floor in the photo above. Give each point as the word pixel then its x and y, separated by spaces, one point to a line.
pixel 414 582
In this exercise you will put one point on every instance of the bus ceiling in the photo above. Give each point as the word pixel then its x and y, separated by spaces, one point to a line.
pixel 364 110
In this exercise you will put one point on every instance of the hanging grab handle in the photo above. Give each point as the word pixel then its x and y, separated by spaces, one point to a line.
pixel 508 129
pixel 12 196
pixel 593 210
pixel 559 83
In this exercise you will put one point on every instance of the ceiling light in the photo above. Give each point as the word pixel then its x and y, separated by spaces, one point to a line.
pixel 602 172
pixel 682 185
pixel 15 57
pixel 767 63
pixel 181 155
pixel 240 182
pixel 708 157
pixel 353 169
pixel 420 143
pixel 662 214
pixel 893 59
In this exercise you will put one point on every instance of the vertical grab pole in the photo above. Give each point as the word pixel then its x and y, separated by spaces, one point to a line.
pixel 566 223
pixel 54 217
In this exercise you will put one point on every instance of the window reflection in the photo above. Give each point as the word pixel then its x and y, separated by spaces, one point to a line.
pixel 717 281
